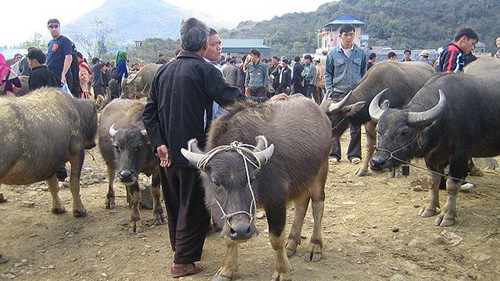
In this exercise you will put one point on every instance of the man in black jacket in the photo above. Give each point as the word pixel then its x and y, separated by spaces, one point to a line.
pixel 179 108
pixel 297 79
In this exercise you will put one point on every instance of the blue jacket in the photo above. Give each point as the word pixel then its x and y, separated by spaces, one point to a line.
pixel 344 73
pixel 257 75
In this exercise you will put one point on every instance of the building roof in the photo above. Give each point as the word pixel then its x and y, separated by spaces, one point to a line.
pixel 344 20
pixel 244 43
pixel 243 46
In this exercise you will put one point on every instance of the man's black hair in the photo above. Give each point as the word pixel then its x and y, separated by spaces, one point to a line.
pixel 469 32
pixel 37 54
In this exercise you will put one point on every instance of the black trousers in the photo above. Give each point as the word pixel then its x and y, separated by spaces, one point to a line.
pixel 354 149
pixel 309 91
pixel 188 218
pixel 258 94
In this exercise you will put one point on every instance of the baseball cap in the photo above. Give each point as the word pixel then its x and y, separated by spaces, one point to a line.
pixel 424 53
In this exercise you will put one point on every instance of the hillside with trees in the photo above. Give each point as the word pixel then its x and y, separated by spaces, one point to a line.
pixel 397 23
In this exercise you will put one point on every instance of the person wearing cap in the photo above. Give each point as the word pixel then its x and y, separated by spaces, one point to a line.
pixel 424 57
pixel 59 53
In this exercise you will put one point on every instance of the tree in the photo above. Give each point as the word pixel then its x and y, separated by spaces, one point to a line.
pixel 36 42
pixel 95 42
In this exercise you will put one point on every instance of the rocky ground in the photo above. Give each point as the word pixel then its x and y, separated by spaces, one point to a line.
pixel 371 231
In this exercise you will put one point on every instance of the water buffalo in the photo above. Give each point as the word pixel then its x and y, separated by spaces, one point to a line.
pixel 139 85
pixel 240 177
pixel 402 79
pixel 452 117
pixel 40 132
pixel 125 148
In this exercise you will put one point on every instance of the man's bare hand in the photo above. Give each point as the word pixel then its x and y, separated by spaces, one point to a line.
pixel 162 152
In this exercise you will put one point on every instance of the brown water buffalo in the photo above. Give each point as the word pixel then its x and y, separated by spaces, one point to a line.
pixel 402 80
pixel 262 156
pixel 125 147
pixel 451 118
pixel 40 132
pixel 140 84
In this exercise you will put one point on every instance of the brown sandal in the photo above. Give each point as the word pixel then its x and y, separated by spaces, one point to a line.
pixel 179 270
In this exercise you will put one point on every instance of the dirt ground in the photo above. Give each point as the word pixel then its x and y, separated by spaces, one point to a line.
pixel 371 231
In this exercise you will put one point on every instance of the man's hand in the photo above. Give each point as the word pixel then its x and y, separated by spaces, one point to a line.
pixel 162 152
pixel 281 96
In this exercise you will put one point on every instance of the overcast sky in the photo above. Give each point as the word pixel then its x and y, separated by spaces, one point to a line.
pixel 22 18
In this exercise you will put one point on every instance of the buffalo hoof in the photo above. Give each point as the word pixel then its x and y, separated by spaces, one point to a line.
pixel 277 276
pixel 444 222
pixel 135 227
pixel 361 172
pixel 424 213
pixel 58 210
pixel 474 171
pixel 315 253
pixel 160 220
pixel 110 204
pixel 79 214
pixel 290 252
pixel 221 278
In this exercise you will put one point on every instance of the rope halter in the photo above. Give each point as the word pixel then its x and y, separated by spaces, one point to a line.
pixel 247 152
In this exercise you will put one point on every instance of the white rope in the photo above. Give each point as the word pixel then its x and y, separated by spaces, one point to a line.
pixel 241 149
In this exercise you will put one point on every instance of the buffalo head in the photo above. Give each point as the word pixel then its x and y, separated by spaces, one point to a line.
pixel 399 132
pixel 132 151
pixel 230 175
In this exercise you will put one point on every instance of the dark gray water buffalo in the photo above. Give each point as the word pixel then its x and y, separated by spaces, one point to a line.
pixel 125 148
pixel 452 118
pixel 402 80
pixel 40 132
pixel 140 84
pixel 288 162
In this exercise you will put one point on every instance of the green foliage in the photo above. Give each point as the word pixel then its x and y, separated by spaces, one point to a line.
pixel 151 48
pixel 36 42
pixel 397 23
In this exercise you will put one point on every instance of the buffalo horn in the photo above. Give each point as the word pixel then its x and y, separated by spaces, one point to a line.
pixel 335 106
pixel 193 157
pixel 261 142
pixel 374 109
pixel 144 133
pixel 426 117
pixel 264 152
pixel 112 130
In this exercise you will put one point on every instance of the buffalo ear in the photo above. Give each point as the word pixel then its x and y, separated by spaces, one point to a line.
pixel 353 109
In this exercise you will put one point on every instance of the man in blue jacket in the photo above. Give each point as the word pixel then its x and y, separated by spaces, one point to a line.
pixel 257 77
pixel 345 66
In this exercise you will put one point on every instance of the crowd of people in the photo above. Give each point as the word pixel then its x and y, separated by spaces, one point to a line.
pixel 190 91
